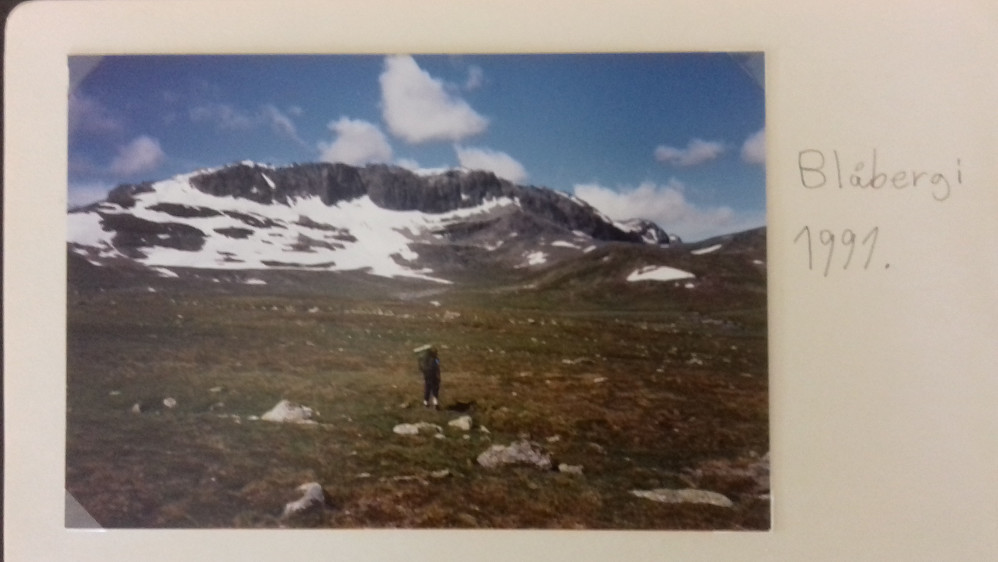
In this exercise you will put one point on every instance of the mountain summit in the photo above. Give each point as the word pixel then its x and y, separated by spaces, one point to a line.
pixel 385 220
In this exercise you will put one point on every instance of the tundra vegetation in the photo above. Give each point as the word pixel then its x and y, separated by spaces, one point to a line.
pixel 628 386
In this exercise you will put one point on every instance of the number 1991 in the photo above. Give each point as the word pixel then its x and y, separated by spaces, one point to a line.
pixel 828 240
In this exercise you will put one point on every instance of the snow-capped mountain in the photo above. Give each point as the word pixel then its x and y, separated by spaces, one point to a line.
pixel 649 232
pixel 382 219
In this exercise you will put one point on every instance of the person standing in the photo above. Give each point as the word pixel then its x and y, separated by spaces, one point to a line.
pixel 429 365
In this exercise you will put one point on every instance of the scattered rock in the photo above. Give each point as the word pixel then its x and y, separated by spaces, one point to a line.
pixel 409 478
pixel 136 408
pixel 554 439
pixel 598 380
pixel 215 389
pixel 114 393
pixel 415 428
pixel 463 423
pixel 440 474
pixel 313 498
pixel 289 412
pixel 570 468
pixel 520 452
pixel 686 495
pixel 170 402
pixel 743 476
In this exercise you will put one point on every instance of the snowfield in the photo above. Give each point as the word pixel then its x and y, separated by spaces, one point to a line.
pixel 659 273
pixel 305 234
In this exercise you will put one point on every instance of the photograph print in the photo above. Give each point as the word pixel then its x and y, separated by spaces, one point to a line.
pixel 432 291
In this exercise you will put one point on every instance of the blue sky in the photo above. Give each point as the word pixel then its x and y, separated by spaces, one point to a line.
pixel 674 138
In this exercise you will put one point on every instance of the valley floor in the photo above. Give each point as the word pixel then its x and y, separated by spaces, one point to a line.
pixel 640 399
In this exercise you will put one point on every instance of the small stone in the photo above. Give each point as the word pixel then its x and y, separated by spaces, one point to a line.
pixel 440 473
pixel 686 495
pixel 570 468
pixel 170 402
pixel 406 429
pixel 597 447
pixel 313 497
pixel 289 412
pixel 415 428
pixel 520 452
pixel 136 408
pixel 463 423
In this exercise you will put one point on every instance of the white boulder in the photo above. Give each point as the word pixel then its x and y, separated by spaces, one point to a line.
pixel 463 423
pixel 685 495
pixel 520 452
pixel 289 412
pixel 415 428
pixel 313 497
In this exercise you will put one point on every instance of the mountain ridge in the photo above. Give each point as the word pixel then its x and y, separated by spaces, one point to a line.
pixel 339 217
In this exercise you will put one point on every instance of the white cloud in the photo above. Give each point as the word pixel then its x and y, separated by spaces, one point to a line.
pixel 417 107
pixel 667 206
pixel 142 154
pixel 697 151
pixel 499 163
pixel 281 124
pixel 85 193
pixel 476 77
pixel 88 115
pixel 223 116
pixel 357 142
pixel 228 118
pixel 754 148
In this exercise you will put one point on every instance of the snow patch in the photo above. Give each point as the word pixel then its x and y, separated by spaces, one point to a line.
pixel 564 244
pixel 276 236
pixel 707 250
pixel 659 273
pixel 536 258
